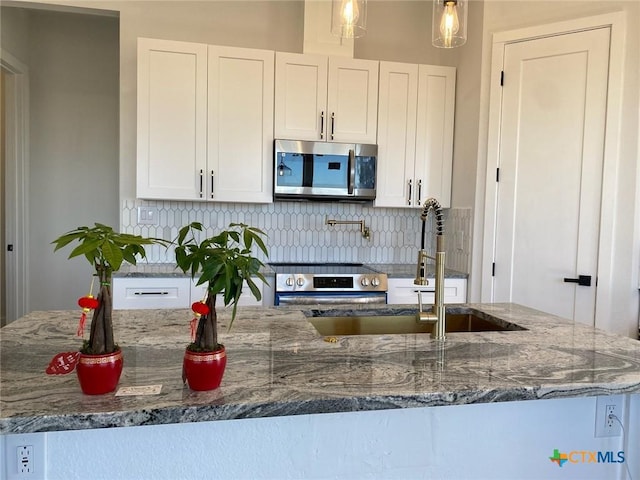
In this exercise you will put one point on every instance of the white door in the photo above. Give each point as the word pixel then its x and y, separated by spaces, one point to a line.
pixel 550 172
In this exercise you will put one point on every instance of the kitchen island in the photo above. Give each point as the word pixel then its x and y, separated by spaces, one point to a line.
pixel 278 365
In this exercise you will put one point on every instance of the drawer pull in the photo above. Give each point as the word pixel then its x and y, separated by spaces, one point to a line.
pixel 151 293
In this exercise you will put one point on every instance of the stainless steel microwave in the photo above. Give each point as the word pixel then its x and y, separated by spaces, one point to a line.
pixel 324 171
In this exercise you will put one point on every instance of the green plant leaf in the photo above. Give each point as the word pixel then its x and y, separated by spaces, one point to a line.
pixel 112 254
pixel 85 247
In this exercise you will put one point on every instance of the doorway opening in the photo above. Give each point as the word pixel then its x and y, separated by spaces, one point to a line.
pixel 13 258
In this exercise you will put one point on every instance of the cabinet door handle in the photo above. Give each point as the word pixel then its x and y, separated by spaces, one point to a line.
pixel 582 280
pixel 352 172
pixel 211 183
pixel 201 183
pixel 322 125
pixel 333 122
pixel 151 293
pixel 419 192
pixel 409 194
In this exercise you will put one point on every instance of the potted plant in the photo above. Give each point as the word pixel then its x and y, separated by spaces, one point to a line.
pixel 99 362
pixel 223 263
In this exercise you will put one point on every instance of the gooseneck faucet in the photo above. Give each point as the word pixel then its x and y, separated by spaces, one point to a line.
pixel 437 314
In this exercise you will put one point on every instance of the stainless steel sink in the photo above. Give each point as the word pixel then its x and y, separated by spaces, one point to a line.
pixel 401 321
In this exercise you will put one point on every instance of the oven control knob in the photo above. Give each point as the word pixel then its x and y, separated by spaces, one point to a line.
pixel 300 281
pixel 289 282
pixel 364 282
pixel 375 282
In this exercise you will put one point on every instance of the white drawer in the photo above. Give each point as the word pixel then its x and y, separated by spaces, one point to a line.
pixel 402 291
pixel 151 292
pixel 246 298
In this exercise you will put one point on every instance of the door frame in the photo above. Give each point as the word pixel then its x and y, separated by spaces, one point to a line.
pixel 616 22
pixel 16 185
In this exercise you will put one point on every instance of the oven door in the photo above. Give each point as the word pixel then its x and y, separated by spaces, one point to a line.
pixel 333 298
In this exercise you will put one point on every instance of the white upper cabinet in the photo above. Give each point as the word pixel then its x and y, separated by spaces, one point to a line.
pixel 205 122
pixel 172 118
pixel 240 132
pixel 415 134
pixel 325 98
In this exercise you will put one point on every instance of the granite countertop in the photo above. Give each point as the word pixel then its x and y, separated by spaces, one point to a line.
pixel 393 270
pixel 279 365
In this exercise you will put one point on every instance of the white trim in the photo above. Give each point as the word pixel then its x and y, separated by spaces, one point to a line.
pixel 16 181
pixel 617 22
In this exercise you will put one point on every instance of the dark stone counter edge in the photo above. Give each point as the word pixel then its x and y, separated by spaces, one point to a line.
pixel 213 412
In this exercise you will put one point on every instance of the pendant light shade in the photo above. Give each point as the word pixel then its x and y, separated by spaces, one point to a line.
pixel 449 27
pixel 349 18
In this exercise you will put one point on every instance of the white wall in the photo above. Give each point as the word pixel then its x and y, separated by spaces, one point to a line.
pixel 511 440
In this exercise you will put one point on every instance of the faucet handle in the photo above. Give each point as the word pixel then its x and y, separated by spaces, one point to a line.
pixel 421 270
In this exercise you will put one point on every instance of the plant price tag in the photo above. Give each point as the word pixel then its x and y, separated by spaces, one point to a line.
pixel 140 390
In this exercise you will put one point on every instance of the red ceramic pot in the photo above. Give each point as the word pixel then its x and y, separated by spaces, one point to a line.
pixel 204 370
pixel 99 374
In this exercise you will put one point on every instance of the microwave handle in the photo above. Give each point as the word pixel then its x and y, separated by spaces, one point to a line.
pixel 352 172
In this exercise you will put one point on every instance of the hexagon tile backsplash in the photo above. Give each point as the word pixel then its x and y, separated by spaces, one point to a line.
pixel 297 230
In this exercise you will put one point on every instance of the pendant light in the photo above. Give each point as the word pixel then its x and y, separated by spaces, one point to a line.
pixel 449 26
pixel 283 170
pixel 349 18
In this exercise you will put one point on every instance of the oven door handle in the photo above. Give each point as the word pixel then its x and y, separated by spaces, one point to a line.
pixel 352 172
pixel 284 299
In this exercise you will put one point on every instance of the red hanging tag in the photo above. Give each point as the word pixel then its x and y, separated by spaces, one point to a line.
pixel 193 324
pixel 63 363
pixel 83 320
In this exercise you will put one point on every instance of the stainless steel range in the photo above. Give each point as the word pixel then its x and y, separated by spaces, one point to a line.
pixel 321 283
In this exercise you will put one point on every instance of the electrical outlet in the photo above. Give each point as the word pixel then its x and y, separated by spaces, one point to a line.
pixel 24 457
pixel 606 408
pixel 147 215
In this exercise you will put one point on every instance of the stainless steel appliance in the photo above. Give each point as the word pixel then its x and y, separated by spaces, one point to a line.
pixel 324 171
pixel 326 283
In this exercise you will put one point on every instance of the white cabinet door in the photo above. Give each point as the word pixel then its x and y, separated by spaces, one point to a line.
pixel 398 99
pixel 352 100
pixel 403 291
pixel 240 132
pixel 325 98
pixel 172 118
pixel 151 292
pixel 300 96
pixel 415 134
pixel 434 133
